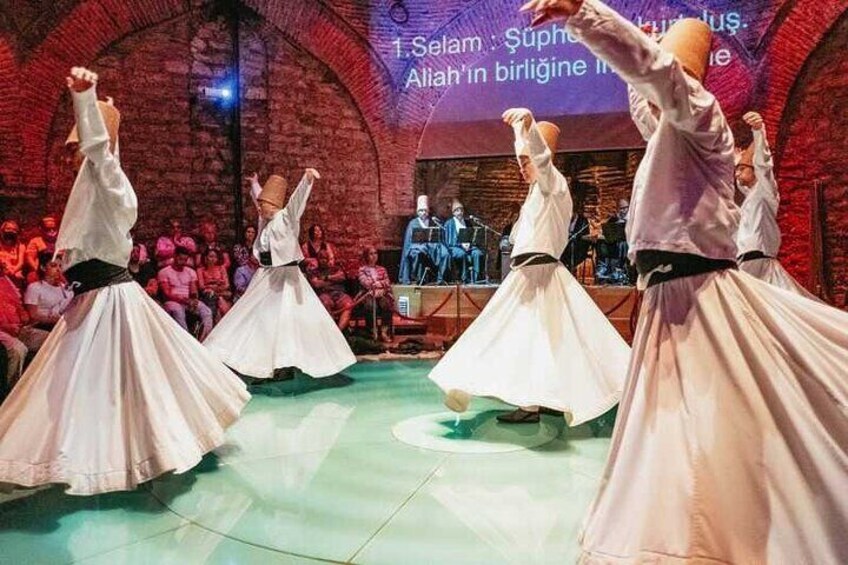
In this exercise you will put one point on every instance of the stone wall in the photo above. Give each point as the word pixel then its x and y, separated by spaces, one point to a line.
pixel 813 141
pixel 321 87
pixel 177 144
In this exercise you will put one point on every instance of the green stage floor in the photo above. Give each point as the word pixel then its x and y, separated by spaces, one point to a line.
pixel 312 473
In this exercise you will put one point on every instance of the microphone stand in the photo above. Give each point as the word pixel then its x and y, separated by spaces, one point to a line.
pixel 573 247
pixel 486 228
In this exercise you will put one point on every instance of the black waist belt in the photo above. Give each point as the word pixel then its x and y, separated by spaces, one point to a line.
pixel 530 259
pixel 265 260
pixel 94 274
pixel 751 255
pixel 664 266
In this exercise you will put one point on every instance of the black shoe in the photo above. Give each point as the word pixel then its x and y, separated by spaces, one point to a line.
pixel 519 416
pixel 284 374
pixel 550 411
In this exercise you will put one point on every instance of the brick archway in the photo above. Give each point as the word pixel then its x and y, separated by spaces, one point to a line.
pixel 790 46
pixel 811 140
pixel 91 27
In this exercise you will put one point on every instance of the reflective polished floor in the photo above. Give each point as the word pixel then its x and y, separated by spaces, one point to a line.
pixel 314 472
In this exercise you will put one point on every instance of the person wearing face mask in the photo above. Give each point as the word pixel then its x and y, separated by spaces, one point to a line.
pixel 118 394
pixel 166 245
pixel 758 238
pixel 419 257
pixel 466 257
pixel 12 252
pixel 44 242
pixel 731 441
pixel 541 341
pixel 279 323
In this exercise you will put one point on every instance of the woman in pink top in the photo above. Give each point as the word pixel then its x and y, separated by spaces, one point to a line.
pixel 214 284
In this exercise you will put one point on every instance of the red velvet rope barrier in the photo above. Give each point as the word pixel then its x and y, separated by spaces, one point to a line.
pixel 621 303
pixel 471 300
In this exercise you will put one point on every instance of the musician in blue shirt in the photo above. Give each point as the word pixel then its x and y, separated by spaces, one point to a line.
pixel 418 257
pixel 467 258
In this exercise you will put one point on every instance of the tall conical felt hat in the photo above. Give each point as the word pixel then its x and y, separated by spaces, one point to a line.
pixel 550 133
pixel 689 41
pixel 112 119
pixel 456 204
pixel 423 203
pixel 274 191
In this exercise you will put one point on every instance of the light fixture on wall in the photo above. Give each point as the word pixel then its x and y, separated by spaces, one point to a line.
pixel 222 94
pixel 398 12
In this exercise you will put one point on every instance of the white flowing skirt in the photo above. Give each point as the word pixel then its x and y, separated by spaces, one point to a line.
pixel 731 444
pixel 117 395
pixel 280 322
pixel 771 271
pixel 541 340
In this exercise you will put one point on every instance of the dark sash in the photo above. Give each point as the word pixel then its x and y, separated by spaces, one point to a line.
pixel 530 259
pixel 664 266
pixel 751 255
pixel 94 274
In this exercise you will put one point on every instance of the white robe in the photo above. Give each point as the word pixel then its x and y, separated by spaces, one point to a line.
pixel 731 443
pixel 279 321
pixel 119 393
pixel 541 339
pixel 758 228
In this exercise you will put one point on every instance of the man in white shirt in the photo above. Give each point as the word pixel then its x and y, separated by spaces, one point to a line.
pixel 47 299
pixel 179 287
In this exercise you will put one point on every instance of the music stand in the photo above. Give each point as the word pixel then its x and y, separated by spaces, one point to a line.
pixel 475 235
pixel 426 235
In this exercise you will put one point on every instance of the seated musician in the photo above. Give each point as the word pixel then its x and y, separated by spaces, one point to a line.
pixel 613 267
pixel 468 259
pixel 578 246
pixel 425 251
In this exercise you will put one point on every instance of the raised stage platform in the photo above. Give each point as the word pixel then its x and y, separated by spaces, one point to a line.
pixel 437 306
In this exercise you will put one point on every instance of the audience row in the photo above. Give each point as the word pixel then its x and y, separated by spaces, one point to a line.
pixel 195 279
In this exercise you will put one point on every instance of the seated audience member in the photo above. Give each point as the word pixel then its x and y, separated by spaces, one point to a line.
pixel 375 280
pixel 143 271
pixel 166 245
pixel 244 274
pixel 45 242
pixel 328 280
pixel 48 298
pixel 242 251
pixel 468 259
pixel 209 240
pixel 214 284
pixel 16 336
pixel 316 244
pixel 12 252
pixel 178 284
